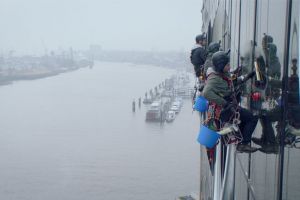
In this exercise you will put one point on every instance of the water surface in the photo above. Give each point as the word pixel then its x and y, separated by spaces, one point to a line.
pixel 74 136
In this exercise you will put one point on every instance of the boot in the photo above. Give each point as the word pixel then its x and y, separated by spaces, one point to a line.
pixel 258 141
pixel 245 148
pixel 270 149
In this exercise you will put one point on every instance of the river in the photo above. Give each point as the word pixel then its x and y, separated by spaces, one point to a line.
pixel 74 137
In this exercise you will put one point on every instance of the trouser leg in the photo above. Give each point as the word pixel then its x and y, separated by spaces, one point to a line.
pixel 268 134
pixel 247 125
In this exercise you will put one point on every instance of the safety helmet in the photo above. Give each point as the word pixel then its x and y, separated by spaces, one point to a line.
pixel 200 37
pixel 219 60
pixel 267 39
pixel 213 47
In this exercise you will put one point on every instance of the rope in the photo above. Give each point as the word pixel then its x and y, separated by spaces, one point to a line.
pixel 268 9
pixel 287 174
pixel 276 172
pixel 195 92
pixel 266 164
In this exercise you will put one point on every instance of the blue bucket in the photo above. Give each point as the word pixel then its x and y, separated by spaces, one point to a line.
pixel 201 104
pixel 207 137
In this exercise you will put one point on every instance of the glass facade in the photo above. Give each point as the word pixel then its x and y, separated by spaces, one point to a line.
pixel 291 175
pixel 264 36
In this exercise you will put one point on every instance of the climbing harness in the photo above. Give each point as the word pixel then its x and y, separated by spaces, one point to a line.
pixel 229 130
pixel 233 135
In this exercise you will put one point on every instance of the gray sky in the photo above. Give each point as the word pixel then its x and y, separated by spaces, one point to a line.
pixel 31 26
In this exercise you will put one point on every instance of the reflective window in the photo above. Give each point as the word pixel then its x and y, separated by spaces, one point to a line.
pixel 246 30
pixel 292 152
pixel 246 39
pixel 257 41
pixel 235 14
pixel 266 95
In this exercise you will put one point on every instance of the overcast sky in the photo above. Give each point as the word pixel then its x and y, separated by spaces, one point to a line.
pixel 31 26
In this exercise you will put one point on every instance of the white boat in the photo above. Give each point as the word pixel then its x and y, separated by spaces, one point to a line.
pixel 170 116
pixel 175 108
pixel 154 113
pixel 177 103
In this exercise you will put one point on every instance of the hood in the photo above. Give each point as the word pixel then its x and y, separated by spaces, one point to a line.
pixel 196 46
pixel 210 70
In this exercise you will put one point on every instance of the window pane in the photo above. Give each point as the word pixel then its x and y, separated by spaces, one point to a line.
pixel 292 157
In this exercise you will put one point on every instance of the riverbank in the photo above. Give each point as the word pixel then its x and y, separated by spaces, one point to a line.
pixel 12 76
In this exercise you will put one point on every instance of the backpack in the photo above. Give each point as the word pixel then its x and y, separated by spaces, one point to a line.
pixel 198 56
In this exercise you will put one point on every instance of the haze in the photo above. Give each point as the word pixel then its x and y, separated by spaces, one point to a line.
pixel 36 26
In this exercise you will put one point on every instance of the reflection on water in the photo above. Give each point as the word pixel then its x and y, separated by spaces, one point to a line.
pixel 74 136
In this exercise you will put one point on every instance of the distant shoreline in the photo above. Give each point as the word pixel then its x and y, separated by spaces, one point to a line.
pixel 10 79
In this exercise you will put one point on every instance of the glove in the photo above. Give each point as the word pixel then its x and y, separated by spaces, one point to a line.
pixel 198 72
pixel 200 89
pixel 237 70
pixel 260 84
pixel 243 79
pixel 250 75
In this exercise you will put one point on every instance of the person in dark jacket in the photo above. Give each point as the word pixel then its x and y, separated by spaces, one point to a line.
pixel 198 54
pixel 219 91
pixel 212 48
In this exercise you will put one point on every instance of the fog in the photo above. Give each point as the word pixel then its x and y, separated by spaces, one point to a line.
pixel 71 73
pixel 36 26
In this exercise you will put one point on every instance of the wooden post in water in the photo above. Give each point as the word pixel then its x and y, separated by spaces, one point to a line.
pixel 133 105
pixel 140 102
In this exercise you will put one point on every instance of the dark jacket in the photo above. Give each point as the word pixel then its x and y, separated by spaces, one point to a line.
pixel 198 57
